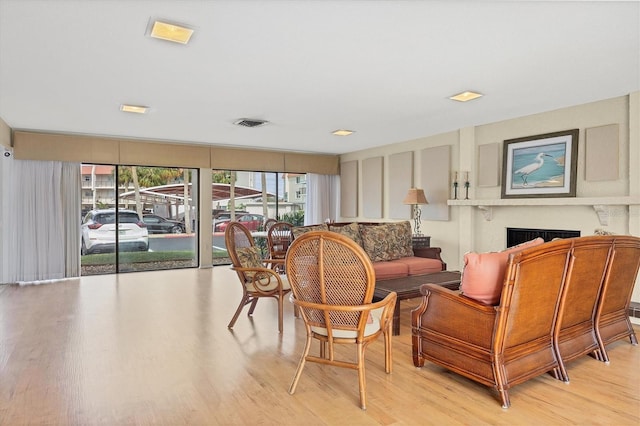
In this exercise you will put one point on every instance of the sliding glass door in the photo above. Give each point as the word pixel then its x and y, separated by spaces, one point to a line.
pixel 138 218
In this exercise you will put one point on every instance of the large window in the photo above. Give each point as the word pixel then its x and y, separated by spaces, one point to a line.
pixel 138 218
pixel 252 198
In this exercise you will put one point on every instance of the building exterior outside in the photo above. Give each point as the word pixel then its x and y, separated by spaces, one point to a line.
pixel 296 188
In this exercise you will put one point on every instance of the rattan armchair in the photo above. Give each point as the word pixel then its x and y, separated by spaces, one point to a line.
pixel 269 223
pixel 333 281
pixel 256 278
pixel 600 281
pixel 586 275
pixel 279 238
pixel 612 317
pixel 497 346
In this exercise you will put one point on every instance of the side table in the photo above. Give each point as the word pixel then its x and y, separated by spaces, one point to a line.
pixel 420 241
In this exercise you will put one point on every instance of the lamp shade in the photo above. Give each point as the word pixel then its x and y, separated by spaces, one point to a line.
pixel 415 196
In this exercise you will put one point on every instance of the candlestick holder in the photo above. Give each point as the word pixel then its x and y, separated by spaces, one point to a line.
pixel 466 189
pixel 455 190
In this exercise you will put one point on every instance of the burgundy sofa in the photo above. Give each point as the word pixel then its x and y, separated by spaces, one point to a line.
pixel 388 245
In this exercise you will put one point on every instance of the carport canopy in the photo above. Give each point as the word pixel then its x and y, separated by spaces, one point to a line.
pixel 175 193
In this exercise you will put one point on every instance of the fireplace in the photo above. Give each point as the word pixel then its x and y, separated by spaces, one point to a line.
pixel 516 236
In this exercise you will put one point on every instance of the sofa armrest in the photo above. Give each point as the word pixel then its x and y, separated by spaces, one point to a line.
pixel 430 252
pixel 447 312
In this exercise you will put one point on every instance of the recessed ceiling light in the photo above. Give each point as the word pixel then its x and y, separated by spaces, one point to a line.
pixel 342 132
pixel 134 108
pixel 170 32
pixel 465 96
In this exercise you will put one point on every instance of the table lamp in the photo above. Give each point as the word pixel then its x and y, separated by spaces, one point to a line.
pixel 415 197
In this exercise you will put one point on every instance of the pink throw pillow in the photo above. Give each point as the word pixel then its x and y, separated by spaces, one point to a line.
pixel 483 273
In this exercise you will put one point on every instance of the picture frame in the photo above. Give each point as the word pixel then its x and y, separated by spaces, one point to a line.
pixel 540 166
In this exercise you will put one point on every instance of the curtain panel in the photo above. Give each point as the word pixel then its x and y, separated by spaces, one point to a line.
pixel 39 221
pixel 323 193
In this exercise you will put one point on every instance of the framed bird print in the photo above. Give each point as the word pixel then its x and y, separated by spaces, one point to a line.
pixel 540 166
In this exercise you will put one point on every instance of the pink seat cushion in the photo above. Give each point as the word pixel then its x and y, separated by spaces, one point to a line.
pixel 390 269
pixel 421 265
pixel 483 273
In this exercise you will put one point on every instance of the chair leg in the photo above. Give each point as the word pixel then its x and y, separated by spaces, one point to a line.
pixel 243 302
pixel 559 372
pixel 388 354
pixel 504 398
pixel 253 305
pixel 498 374
pixel 303 360
pixel 280 313
pixel 601 354
pixel 361 377
pixel 323 349
pixel 296 309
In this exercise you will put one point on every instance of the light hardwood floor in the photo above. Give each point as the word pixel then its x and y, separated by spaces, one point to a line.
pixel 154 348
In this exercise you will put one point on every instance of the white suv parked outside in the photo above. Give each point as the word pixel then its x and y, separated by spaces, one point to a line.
pixel 99 232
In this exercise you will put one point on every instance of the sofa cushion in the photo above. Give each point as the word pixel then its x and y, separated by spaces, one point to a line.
pixel 483 273
pixel 421 265
pixel 299 230
pixel 351 230
pixel 390 269
pixel 387 241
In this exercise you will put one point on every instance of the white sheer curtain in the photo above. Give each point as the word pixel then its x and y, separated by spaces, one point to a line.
pixel 39 221
pixel 323 198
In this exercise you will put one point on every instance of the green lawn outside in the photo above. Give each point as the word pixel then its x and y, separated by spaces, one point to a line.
pixel 145 256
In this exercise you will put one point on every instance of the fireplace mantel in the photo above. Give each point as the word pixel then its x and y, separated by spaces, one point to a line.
pixel 600 204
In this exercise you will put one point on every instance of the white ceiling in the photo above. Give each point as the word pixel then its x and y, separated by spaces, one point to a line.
pixel 382 68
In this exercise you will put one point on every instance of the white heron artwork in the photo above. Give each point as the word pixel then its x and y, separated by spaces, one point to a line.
pixel 525 171
pixel 540 165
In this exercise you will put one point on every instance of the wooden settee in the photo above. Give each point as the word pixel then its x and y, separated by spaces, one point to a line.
pixel 559 300
pixel 388 245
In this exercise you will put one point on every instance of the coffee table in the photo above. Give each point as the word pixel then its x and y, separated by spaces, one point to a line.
pixel 409 288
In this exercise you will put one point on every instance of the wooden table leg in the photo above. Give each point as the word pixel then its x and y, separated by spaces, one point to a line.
pixel 396 319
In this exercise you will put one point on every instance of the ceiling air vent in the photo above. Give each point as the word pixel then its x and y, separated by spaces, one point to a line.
pixel 250 122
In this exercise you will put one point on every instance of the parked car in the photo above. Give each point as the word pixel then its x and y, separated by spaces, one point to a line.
pixel 99 232
pixel 160 225
pixel 252 221
pixel 221 216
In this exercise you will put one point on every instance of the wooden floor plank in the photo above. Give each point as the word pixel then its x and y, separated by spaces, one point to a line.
pixel 154 348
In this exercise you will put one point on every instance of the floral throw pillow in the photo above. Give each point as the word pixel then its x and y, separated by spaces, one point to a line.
pixel 299 230
pixel 351 230
pixel 249 257
pixel 388 241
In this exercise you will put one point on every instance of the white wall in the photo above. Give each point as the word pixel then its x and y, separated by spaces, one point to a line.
pixel 468 229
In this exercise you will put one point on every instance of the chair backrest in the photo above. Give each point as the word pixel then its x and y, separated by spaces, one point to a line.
pixel 591 257
pixel 326 268
pixel 269 223
pixel 279 238
pixel 623 272
pixel 237 236
pixel 530 300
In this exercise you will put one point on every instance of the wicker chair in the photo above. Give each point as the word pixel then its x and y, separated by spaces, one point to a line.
pixel 279 238
pixel 612 317
pixel 269 223
pixel 256 278
pixel 333 283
